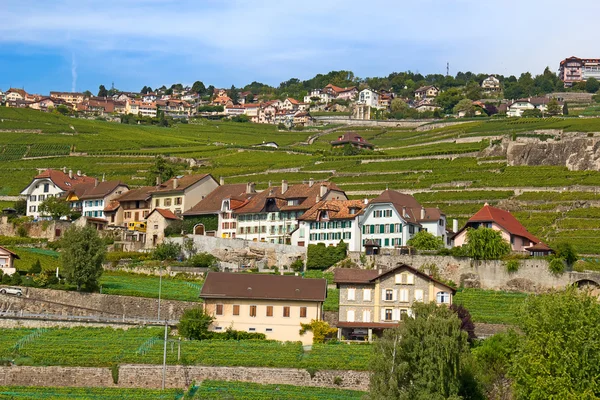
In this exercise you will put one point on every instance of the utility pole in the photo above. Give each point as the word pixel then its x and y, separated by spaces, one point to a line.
pixel 159 289
pixel 164 372
pixel 447 68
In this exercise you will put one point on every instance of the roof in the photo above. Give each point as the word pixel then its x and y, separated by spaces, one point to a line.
pixel 351 137
pixel 211 204
pixel 336 209
pixel 540 246
pixel 272 197
pixel 373 325
pixel 101 190
pixel 400 201
pixel 338 89
pixel 536 101
pixel 293 101
pixel 502 218
pixel 62 180
pixel 179 183
pixel 426 88
pixel 15 255
pixel 22 92
pixel 166 214
pixel 142 193
pixel 351 275
pixel 257 286
pixel 112 205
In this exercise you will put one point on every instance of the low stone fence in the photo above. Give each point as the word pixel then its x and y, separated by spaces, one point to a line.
pixel 150 376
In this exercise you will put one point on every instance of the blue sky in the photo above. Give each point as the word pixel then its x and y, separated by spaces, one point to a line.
pixel 78 45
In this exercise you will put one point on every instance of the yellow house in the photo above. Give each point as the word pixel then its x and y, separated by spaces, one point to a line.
pixel 181 193
pixel 275 305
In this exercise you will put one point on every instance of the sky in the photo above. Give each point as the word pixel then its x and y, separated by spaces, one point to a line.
pixel 74 45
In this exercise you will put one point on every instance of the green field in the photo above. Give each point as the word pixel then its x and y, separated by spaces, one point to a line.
pixel 61 393
pixel 404 161
pixel 492 307
pixel 128 284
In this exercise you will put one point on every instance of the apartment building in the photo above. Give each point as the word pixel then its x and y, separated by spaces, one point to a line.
pixel 369 98
pixel 491 84
pixel 575 69
pixel 181 193
pixel 275 305
pixel 374 300
pixel 70 97
pixel 136 107
pixel 91 198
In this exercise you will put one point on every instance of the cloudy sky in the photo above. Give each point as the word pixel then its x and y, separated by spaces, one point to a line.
pixel 78 45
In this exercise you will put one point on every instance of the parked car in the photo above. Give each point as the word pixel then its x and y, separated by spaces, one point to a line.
pixel 12 290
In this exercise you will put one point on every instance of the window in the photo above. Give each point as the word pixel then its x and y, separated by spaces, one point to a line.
pixel 251 329
pixel 387 213
pixel 269 330
pixel 219 309
pixel 286 312
pixel 32 197
pixel 443 298
pixel 42 197
pixel 236 309
pixel 128 214
pixel 46 187
pixel 269 311
pixel 404 295
pixel 167 202
pixel 178 201
pixel 389 295
pixel 381 228
pixel 146 213
pixel 388 314
pixel 253 311
pixel 411 229
pixel 157 203
pixel 351 294
pixel 32 208
pixel 350 316
pixel 418 294
pixel 366 294
pixel 366 316
pixel 302 312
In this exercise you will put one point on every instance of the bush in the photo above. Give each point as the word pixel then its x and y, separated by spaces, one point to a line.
pixel 557 265
pixel 320 329
pixel 202 260
pixel 512 266
pixel 424 240
pixel 566 251
pixel 320 256
pixel 22 231
pixel 194 324
pixel 297 265
pixel 36 267
pixel 167 251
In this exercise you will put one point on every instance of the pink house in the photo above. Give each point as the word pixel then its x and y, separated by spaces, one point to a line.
pixel 501 220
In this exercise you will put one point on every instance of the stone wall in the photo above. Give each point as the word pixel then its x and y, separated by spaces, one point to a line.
pixel 533 274
pixel 374 123
pixel 150 376
pixel 39 230
pixel 35 323
pixel 60 302
pixel 238 252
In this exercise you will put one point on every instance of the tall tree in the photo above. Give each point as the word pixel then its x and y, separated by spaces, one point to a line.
pixel 554 107
pixel 82 256
pixel 486 244
pixel 55 207
pixel 465 106
pixel 424 240
pixel 199 88
pixel 162 169
pixel 102 92
pixel 420 359
pixel 592 85
pixel 234 94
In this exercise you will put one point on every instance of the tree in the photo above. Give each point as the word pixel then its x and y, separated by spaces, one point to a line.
pixel 194 324
pixel 82 256
pixel 320 329
pixel 162 169
pixel 399 106
pixel 319 256
pixel 592 85
pixel 554 107
pixel 87 94
pixel 55 207
pixel 473 91
pixel 424 240
pixel 21 206
pixel 102 92
pixel 36 267
pixel 249 98
pixel 494 357
pixel 62 109
pixel 234 94
pixel 566 251
pixel 557 356
pixel 566 109
pixel 486 244
pixel 167 251
pixel 420 359
pixel 465 106
pixel 466 322
pixel 199 88
pixel 448 99
pixel 532 113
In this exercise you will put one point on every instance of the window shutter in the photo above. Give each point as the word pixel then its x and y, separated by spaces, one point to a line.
pixel 395 295
pixel 391 228
pixel 396 314
pixel 410 279
pixel 382 314
pixel 351 294
pixel 350 316
pixel 366 294
pixel 404 295
pixel 419 295
pixel 366 316
pixel 398 279
pixel 382 294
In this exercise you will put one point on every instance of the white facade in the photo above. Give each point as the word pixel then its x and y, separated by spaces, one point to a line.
pixel 272 227
pixel 517 108
pixel 227 221
pixel 368 97
pixel 93 208
pixel 330 233
pixel 38 191
pixel 383 224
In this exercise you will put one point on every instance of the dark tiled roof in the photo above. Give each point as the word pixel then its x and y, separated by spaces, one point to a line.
pixel 211 204
pixel 167 214
pixel 101 190
pixel 413 207
pixel 183 183
pixel 142 193
pixel 257 286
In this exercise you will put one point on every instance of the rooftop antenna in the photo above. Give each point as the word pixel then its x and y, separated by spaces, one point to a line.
pixel 447 68
pixel 112 86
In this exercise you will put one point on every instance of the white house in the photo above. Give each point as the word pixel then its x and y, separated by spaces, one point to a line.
pixel 51 183
pixel 329 222
pixel 94 199
pixel 368 97
pixel 516 108
pixel 393 218
pixel 490 84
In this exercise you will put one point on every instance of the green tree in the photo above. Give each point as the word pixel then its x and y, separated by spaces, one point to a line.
pixel 194 324
pixel 163 169
pixel 448 99
pixel 36 267
pixel 466 106
pixel 422 358
pixel 55 207
pixel 87 94
pixel 566 251
pixel 566 109
pixel 486 244
pixel 473 91
pixel 557 356
pixel 592 85
pixel 198 87
pixel 494 357
pixel 102 92
pixel 62 109
pixel 424 240
pixel 399 106
pixel 21 206
pixel 249 98
pixel 234 94
pixel 533 113
pixel 167 251
pixel 82 256
pixel 320 329
pixel 554 107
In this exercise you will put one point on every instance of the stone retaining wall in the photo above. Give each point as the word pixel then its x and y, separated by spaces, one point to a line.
pixel 150 376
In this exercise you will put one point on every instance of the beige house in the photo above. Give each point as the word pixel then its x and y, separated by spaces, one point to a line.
pixel 181 193
pixel 70 97
pixel 157 221
pixel 426 91
pixel 275 305
pixel 7 258
pixel 372 300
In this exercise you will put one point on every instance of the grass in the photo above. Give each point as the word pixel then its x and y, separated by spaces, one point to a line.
pixel 87 393
pixel 129 284
pixel 491 307
pixel 253 391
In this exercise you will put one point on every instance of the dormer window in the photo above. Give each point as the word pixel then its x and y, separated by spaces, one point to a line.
pixel 293 202
pixel 352 211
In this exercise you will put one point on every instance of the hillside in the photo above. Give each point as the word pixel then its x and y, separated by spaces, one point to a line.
pixel 455 168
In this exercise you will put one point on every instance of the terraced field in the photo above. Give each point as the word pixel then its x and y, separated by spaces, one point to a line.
pixel 440 166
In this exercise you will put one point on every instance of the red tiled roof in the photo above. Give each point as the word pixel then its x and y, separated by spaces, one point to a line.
pixel 211 204
pixel 351 137
pixel 504 219
pixel 257 286
pixel 293 101
pixel 112 206
pixel 62 180
pixel 336 209
pixel 167 214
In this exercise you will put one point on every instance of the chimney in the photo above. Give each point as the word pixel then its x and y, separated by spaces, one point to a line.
pixel 284 186
pixel 403 211
pixel 311 182
pixel 175 183
pixel 422 213
pixel 158 181
pixel 250 187
pixel 323 190
pixel 64 169
pixel 366 201
pixel 70 174
pixel 95 182
pixel 269 183
pixel 103 177
pixel 454 225
pixel 78 173
pixel 221 181
pixel 318 198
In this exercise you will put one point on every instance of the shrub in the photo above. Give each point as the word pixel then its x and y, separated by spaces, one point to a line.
pixel 22 231
pixel 512 266
pixel 566 251
pixel 320 256
pixel 114 371
pixel 36 267
pixel 424 240
pixel 16 279
pixel 486 244
pixel 194 324
pixel 202 260
pixel 167 251
pixel 320 329
pixel 297 265
pixel 557 265
pixel 337 380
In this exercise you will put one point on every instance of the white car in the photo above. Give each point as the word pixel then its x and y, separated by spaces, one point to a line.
pixel 12 290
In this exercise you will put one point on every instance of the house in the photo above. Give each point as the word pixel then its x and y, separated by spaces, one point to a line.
pixel 425 106
pixel 302 118
pixel 7 259
pixel 219 207
pixel 174 107
pixel 330 221
pixel 2 96
pixel 274 305
pixel 392 218
pixel 516 108
pixel 136 107
pixel 374 300
pixel 539 250
pixel 149 97
pixel 156 223
pixel 47 103
pixel 426 91
pixel 100 105
pixel 97 195
pixel 345 93
pixel 353 140
pixel 369 98
pixel 575 69
pixel 222 101
pixel 70 97
pixel 51 183
pixel 181 193
pixel 500 220
pixel 130 211
pixel 320 96
pixel 234 110
pixel 13 94
pixel 290 104
pixel 491 84
pixel 252 110
pixel 272 215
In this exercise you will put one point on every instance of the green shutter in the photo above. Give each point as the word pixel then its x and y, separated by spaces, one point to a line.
pixel 387 242
pixel 372 228
pixel 382 228
pixel 391 228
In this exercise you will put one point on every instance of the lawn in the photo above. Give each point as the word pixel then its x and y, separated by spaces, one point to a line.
pixel 128 284
pixel 88 393
pixel 253 391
